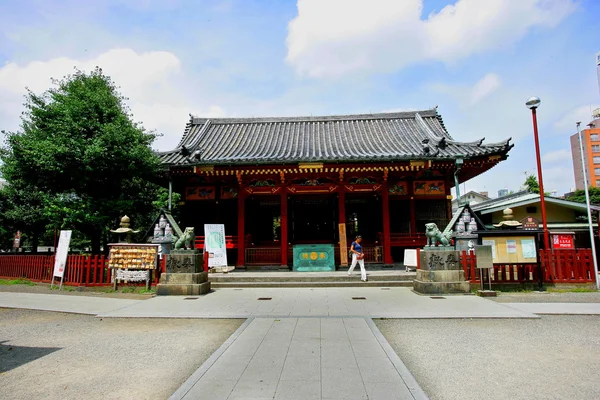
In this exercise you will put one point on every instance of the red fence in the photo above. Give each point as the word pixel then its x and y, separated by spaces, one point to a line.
pixel 80 271
pixel 558 266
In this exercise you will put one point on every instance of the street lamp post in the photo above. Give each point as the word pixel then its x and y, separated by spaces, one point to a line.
pixel 587 202
pixel 533 103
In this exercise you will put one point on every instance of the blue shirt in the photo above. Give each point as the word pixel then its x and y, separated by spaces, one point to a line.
pixel 357 247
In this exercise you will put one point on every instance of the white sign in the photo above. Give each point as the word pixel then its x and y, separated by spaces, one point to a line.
pixel 214 244
pixel 410 259
pixel 528 248
pixel 62 251
pixel 511 246
pixel 490 243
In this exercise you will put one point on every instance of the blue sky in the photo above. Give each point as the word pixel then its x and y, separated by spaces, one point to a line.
pixel 478 61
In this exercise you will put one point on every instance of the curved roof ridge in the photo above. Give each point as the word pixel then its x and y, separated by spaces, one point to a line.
pixel 324 118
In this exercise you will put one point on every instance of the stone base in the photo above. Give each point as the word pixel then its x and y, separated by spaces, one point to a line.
pixel 178 284
pixel 182 289
pixel 424 287
pixel 487 293
pixel 440 276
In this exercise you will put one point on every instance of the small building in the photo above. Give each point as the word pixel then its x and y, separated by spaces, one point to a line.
pixel 471 198
pixel 563 216
pixel 279 182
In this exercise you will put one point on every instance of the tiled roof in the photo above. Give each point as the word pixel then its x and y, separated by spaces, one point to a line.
pixel 349 138
pixel 525 198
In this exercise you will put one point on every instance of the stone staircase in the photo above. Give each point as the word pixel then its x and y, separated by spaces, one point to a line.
pixel 287 279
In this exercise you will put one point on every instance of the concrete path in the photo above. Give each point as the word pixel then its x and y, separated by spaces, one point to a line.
pixel 558 308
pixel 69 304
pixel 318 302
pixel 304 359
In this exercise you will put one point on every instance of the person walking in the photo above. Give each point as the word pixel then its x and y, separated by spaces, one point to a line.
pixel 358 257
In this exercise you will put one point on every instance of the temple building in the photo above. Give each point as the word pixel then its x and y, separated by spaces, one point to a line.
pixel 278 182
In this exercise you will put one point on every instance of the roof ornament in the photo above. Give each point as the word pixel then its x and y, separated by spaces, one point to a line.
pixel 509 220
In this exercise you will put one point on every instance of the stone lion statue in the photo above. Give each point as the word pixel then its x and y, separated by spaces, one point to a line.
pixel 435 236
pixel 186 240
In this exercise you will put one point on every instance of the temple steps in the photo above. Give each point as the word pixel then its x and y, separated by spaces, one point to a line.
pixel 288 279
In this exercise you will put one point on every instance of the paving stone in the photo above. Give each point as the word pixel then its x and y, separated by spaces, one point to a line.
pixel 298 390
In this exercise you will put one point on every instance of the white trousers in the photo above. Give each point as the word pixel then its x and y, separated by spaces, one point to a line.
pixel 363 272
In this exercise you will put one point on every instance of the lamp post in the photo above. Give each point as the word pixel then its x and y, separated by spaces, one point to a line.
pixel 587 202
pixel 533 103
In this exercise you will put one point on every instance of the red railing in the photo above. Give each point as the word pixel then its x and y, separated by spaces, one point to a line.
pixel 80 271
pixel 558 266
pixel 263 256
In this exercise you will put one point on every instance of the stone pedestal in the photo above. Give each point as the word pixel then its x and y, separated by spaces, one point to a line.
pixel 440 273
pixel 184 275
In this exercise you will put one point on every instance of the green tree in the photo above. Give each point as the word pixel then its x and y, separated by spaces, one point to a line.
pixel 80 158
pixel 579 196
pixel 531 184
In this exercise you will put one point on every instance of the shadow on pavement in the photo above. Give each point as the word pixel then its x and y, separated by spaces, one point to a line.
pixel 14 356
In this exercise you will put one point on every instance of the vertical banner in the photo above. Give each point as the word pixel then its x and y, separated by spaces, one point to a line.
pixel 60 258
pixel 343 245
pixel 214 244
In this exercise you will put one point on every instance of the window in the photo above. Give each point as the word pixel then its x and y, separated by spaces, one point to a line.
pixel 596 160
pixel 597 183
pixel 596 148
pixel 596 171
pixel 594 137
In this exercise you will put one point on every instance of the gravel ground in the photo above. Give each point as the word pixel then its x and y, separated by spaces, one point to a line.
pixel 47 355
pixel 555 357
pixel 548 297
pixel 44 288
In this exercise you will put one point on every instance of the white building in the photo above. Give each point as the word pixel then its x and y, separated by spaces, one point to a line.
pixel 471 197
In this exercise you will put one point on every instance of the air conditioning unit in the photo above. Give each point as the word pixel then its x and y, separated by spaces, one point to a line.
pixel 596 113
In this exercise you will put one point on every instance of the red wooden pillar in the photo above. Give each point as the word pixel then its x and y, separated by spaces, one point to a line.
pixel 241 232
pixel 387 250
pixel 411 207
pixel 284 228
pixel 341 206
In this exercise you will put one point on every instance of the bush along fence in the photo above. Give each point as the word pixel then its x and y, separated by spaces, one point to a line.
pixel 81 270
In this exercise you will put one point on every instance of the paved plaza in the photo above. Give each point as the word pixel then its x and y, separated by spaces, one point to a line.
pixel 304 359
pixel 304 343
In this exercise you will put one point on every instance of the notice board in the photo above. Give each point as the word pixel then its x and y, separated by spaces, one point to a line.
pixel 512 249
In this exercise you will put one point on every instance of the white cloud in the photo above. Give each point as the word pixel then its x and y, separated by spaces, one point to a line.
pixel 153 81
pixel 334 37
pixel 566 124
pixel 558 156
pixel 486 86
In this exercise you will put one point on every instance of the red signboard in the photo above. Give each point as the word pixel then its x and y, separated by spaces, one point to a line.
pixel 563 241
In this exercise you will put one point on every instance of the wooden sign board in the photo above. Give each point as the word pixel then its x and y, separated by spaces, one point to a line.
pixel 343 245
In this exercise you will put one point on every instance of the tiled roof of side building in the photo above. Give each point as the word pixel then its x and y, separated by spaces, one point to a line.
pixel 348 138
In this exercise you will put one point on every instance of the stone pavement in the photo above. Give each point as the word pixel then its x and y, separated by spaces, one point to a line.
pixel 394 302
pixel 558 308
pixel 69 304
pixel 304 359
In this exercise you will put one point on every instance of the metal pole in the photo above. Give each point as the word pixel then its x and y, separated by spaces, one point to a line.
pixel 540 179
pixel 587 202
pixel 170 192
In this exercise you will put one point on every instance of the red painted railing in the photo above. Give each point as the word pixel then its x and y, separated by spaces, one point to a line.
pixel 263 256
pixel 558 266
pixel 80 271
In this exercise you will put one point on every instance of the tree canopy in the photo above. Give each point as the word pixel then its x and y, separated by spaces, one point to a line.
pixel 579 196
pixel 79 161
pixel 531 184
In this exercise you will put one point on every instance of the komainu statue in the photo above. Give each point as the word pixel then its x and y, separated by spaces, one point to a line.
pixel 435 236
pixel 186 240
